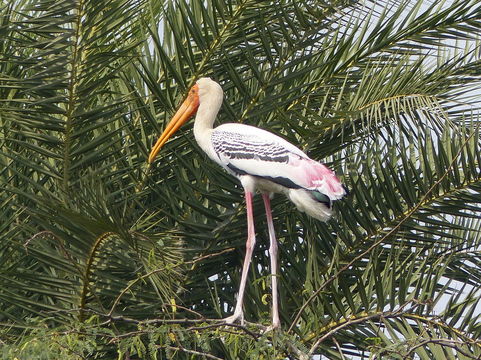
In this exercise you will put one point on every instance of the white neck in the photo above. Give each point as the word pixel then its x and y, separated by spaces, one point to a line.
pixel 209 105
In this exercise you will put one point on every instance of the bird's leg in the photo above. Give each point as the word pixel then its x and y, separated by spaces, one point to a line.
pixel 251 240
pixel 273 255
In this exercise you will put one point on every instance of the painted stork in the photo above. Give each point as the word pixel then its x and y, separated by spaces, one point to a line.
pixel 262 161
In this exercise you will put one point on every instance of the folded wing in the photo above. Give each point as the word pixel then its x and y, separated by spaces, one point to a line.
pixel 246 150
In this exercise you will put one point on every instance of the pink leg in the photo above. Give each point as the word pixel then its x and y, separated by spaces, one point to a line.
pixel 273 255
pixel 251 241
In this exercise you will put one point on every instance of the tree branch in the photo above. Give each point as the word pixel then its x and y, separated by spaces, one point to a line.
pixel 356 320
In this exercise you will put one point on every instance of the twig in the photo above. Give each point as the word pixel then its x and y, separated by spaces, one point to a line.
pixel 34 236
pixel 438 322
pixel 444 342
pixel 181 348
pixel 152 321
pixel 357 320
pixel 186 309
pixel 338 347
pixel 209 256
pixel 223 324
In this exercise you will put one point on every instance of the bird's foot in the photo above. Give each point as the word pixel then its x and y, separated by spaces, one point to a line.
pixel 276 325
pixel 238 317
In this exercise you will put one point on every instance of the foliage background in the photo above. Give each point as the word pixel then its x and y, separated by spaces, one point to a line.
pixel 103 256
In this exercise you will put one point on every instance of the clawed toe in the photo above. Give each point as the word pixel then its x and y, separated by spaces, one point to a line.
pixel 272 327
pixel 236 318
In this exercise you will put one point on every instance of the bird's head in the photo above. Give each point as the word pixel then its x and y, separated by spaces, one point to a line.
pixel 198 94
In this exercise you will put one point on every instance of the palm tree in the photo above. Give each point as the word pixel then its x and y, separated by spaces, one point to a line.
pixel 103 255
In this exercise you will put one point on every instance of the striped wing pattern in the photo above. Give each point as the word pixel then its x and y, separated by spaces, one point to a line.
pixel 243 146
pixel 245 150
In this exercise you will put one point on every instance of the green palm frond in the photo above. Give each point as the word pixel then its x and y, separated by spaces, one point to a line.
pixel 133 256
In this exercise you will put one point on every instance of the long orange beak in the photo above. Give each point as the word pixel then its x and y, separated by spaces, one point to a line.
pixel 186 110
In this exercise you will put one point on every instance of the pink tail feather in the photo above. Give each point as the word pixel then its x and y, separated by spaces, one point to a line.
pixel 316 176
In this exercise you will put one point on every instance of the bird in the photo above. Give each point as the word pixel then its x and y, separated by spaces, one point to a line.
pixel 264 163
